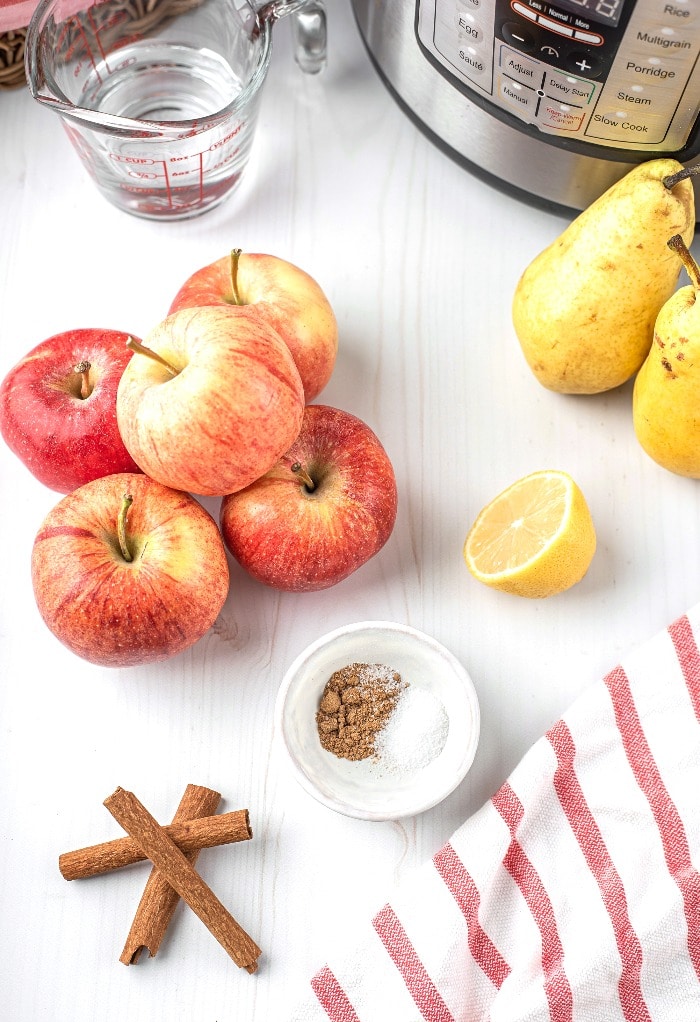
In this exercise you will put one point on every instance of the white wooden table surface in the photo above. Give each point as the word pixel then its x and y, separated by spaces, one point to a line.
pixel 420 261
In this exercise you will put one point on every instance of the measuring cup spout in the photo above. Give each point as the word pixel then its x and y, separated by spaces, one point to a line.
pixel 308 26
pixel 39 60
pixel 161 109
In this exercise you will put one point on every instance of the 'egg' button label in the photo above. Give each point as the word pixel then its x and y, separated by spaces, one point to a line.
pixel 469 29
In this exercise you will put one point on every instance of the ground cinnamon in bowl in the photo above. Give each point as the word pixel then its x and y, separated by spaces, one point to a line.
pixel 355 706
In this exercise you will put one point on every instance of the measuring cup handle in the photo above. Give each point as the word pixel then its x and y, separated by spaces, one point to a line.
pixel 309 30
pixel 310 37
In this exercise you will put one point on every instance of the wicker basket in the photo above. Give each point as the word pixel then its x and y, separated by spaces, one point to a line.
pixel 144 16
pixel 12 58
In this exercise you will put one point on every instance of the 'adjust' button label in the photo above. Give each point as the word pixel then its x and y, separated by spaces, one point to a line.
pixel 519 67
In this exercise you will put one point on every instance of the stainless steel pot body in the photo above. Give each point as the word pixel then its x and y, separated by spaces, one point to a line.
pixel 558 170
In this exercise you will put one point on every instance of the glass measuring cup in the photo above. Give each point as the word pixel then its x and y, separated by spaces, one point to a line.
pixel 160 97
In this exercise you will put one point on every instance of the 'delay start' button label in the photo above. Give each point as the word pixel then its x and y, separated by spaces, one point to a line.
pixel 558 85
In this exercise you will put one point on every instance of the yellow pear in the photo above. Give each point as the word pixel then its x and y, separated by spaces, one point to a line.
pixel 584 309
pixel 666 395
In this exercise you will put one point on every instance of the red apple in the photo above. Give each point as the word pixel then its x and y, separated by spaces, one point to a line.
pixel 127 571
pixel 284 296
pixel 325 508
pixel 58 408
pixel 219 406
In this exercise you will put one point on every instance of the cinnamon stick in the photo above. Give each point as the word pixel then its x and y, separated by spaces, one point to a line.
pixel 183 877
pixel 189 836
pixel 159 900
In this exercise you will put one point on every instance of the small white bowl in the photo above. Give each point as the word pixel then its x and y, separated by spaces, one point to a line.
pixel 363 789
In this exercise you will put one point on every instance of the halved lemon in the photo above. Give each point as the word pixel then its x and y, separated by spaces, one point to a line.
pixel 534 539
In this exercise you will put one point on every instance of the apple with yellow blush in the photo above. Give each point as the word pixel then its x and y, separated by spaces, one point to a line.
pixel 127 571
pixel 285 296
pixel 210 400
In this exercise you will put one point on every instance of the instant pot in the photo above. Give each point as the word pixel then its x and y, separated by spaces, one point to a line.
pixel 551 101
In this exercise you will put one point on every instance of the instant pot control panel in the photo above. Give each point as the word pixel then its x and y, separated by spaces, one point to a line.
pixel 614 73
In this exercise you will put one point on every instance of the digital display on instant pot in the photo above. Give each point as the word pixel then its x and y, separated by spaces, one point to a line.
pixel 607 11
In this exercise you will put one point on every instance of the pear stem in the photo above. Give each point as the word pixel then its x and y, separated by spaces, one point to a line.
pixel 299 470
pixel 681 249
pixel 235 256
pixel 83 369
pixel 672 179
pixel 141 349
pixel 127 501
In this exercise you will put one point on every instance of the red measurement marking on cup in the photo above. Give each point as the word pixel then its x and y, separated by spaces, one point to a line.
pixel 97 37
pixel 75 24
pixel 178 181
pixel 151 174
pixel 167 184
pixel 65 31
pixel 137 161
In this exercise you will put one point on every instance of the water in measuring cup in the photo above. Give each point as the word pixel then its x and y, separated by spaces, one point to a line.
pixel 152 80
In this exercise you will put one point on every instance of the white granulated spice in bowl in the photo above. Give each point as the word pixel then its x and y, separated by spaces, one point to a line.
pixel 414 734
pixel 379 720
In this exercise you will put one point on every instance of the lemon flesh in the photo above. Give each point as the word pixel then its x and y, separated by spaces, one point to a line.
pixel 534 539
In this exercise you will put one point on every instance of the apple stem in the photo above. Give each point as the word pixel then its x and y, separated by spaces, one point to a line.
pixel 235 256
pixel 681 249
pixel 83 369
pixel 127 501
pixel 299 470
pixel 141 349
pixel 672 179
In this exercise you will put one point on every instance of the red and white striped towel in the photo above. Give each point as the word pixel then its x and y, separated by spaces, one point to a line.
pixel 573 895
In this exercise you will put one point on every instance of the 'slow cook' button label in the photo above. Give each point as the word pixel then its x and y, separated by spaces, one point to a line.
pixel 626 126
